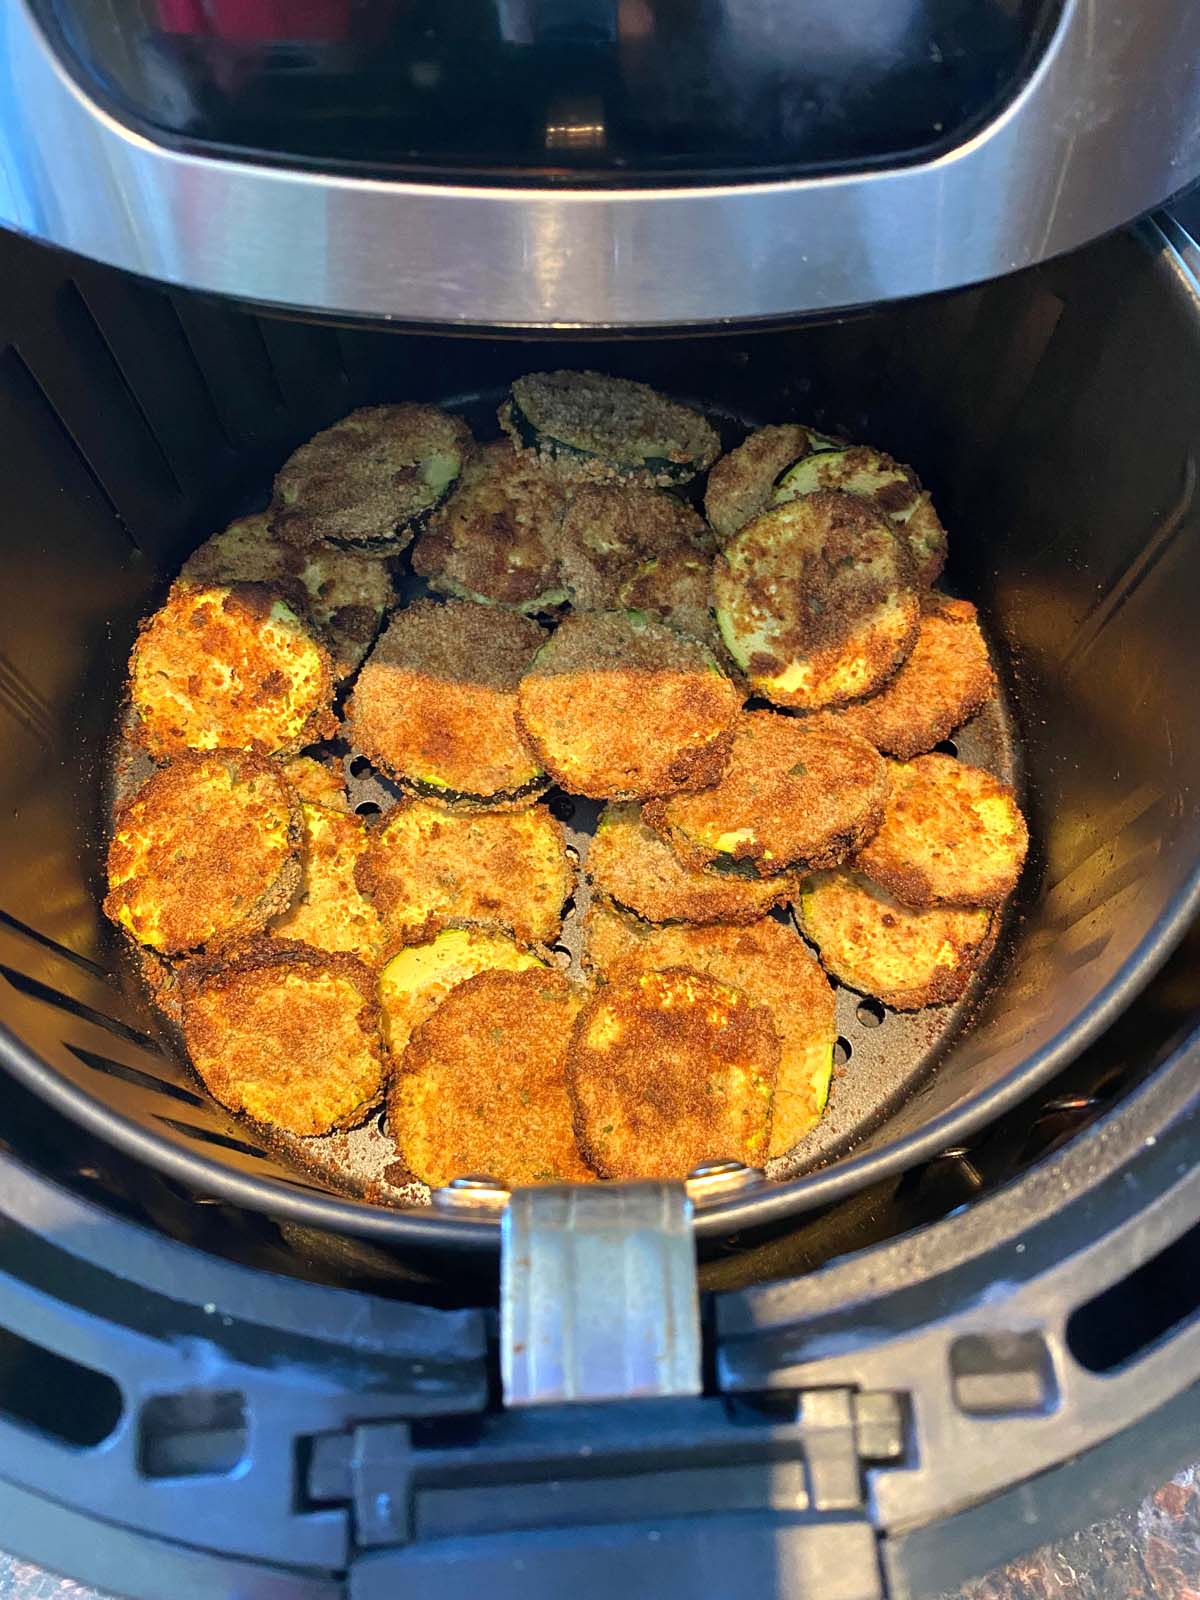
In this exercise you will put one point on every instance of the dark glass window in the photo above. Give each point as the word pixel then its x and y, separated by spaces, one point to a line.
pixel 558 90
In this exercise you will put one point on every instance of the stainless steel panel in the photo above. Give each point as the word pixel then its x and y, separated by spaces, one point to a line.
pixel 1107 126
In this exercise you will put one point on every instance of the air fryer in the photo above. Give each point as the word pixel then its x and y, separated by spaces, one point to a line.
pixel 965 1316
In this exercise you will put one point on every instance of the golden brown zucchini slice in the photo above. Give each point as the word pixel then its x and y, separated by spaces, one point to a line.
pixel 370 480
pixel 872 943
pixel 206 852
pixel 792 795
pixel 496 539
pixel 330 912
pixel 952 835
pixel 435 706
pixel 287 1035
pixel 610 532
pixel 630 864
pixel 230 667
pixel 741 483
pixel 671 1069
pixel 418 978
pixel 593 426
pixel 425 868
pixel 619 706
pixel 893 489
pixel 772 964
pixel 481 1088
pixel 947 679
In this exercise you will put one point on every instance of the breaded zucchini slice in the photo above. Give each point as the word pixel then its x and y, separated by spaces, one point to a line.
pixel 482 1086
pixel 426 867
pixel 346 595
pixel 610 531
pixel 435 706
pixel 418 978
pixel 772 964
pixel 619 706
pixel 951 835
pixel 891 488
pixel 629 864
pixel 330 912
pixel 496 539
pixel 317 783
pixel 947 679
pixel 742 482
pixel 817 601
pixel 205 852
pixel 287 1035
pixel 872 943
pixel 791 796
pixel 593 426
pixel 676 588
pixel 671 1069
pixel 229 667
pixel 370 480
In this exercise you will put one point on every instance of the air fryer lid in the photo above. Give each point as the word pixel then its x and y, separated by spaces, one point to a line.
pixel 529 164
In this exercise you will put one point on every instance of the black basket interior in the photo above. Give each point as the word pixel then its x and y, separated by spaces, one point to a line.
pixel 1054 416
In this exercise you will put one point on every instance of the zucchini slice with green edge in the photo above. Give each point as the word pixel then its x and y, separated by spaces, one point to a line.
pixel 496 539
pixel 895 489
pixel 817 600
pixel 593 426
pixel 370 481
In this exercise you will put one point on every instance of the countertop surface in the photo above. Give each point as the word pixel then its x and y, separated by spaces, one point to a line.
pixel 1150 1552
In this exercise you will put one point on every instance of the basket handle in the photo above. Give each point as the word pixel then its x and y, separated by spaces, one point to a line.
pixel 598 1295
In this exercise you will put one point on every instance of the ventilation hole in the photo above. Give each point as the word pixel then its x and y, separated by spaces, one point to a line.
pixel 561 806
pixel 869 1013
pixel 142 1080
pixel 43 1390
pixel 1128 1318
pixel 572 855
pixel 211 1136
pixel 65 1002
pixel 562 955
pixel 197 1433
pixel 360 767
pixel 946 748
pixel 368 808
pixel 568 906
pixel 842 1051
pixel 27 932
pixel 997 1374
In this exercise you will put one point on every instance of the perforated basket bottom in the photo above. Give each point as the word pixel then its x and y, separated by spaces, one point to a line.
pixel 880 1055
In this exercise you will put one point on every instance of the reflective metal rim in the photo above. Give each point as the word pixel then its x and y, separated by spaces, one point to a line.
pixel 1106 127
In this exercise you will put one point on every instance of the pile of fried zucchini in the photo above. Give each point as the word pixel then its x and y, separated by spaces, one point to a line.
pixel 751 682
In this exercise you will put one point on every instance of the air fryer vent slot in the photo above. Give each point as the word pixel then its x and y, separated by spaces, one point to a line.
pixel 37 990
pixel 135 1076
pixel 1130 1317
pixel 46 943
pixel 43 1390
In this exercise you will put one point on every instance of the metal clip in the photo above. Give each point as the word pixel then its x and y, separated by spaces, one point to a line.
pixel 598 1297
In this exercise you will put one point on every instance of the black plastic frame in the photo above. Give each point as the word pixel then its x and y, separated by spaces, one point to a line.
pixel 164 1318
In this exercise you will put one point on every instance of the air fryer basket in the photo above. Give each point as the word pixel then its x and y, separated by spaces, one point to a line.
pixel 1054 417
